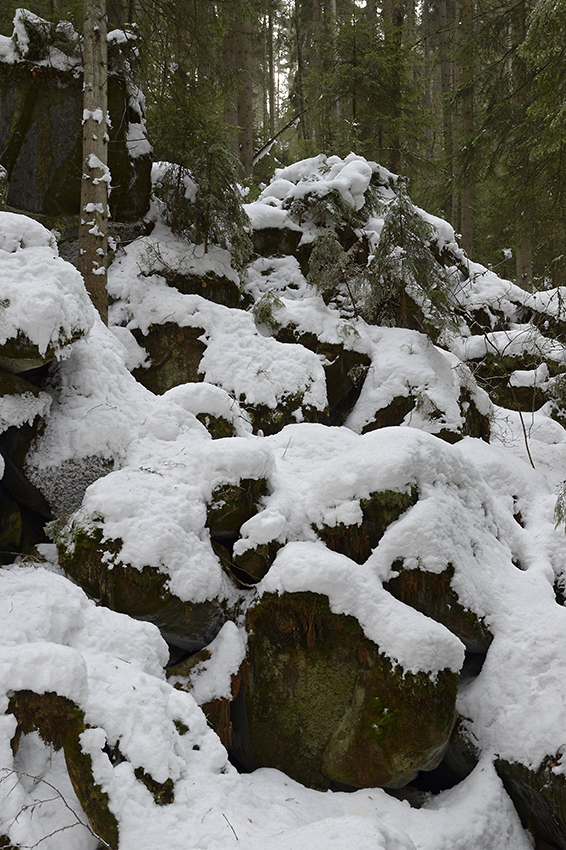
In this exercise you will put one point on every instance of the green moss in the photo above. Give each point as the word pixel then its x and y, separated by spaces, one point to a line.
pixel 181 727
pixel 140 593
pixel 175 355
pixel 217 426
pixel 379 510
pixel 233 504
pixel 325 706
pixel 256 562
pixel 163 792
pixel 60 722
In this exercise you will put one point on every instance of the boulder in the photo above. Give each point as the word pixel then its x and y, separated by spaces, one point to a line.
pixel 539 797
pixel 322 703
pixel 142 594
pixel 40 143
pixel 60 722
pixel 175 353
pixel 232 505
pixel 432 594
pixel 379 510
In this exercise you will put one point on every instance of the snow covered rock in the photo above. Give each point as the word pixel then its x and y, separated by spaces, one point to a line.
pixel 326 706
pixel 44 306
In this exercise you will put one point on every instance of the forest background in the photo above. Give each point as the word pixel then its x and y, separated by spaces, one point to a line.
pixel 465 97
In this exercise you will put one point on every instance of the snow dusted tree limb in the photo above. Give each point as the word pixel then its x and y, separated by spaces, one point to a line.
pixel 93 227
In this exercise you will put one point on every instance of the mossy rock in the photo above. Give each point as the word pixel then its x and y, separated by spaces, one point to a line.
pixel 163 792
pixel 462 753
pixel 232 505
pixel 140 593
pixel 379 510
pixel 217 711
pixel 255 563
pixel 324 705
pixel 12 384
pixel 539 797
pixel 549 325
pixel 276 241
pixel 213 287
pixel 175 354
pixel 40 143
pixel 60 722
pixel 494 371
pixel 217 426
pixel 19 354
pixel 393 414
pixel 11 528
pixel 290 410
pixel 345 371
pixel 432 594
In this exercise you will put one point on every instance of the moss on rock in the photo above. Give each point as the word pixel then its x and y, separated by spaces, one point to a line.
pixel 140 593
pixel 432 594
pixel 232 505
pixel 539 797
pixel 379 510
pixel 175 354
pixel 60 723
pixel 325 706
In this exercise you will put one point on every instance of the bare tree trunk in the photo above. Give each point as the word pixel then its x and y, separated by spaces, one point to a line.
pixel 525 201
pixel 524 253
pixel 93 227
pixel 231 103
pixel 300 78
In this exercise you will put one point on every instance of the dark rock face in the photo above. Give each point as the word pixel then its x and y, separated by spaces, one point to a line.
pixel 432 594
pixel 40 143
pixel 175 354
pixel 539 797
pixel 379 510
pixel 140 593
pixel 324 705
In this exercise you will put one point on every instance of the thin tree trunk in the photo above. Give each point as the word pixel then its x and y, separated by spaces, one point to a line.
pixel 271 72
pixel 245 95
pixel 300 78
pixel 467 208
pixel 93 227
pixel 231 102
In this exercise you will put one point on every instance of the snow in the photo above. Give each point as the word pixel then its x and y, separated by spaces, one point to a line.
pixel 41 296
pixel 415 642
pixel 151 468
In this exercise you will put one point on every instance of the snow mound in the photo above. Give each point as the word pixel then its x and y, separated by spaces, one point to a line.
pixel 41 296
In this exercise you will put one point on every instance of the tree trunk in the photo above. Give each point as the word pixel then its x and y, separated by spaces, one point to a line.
pixel 271 73
pixel 524 253
pixel 245 95
pixel 393 14
pixel 467 71
pixel 93 227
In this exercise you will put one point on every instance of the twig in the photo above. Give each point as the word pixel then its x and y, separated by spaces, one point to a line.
pixel 526 439
pixel 230 825
pixel 58 795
